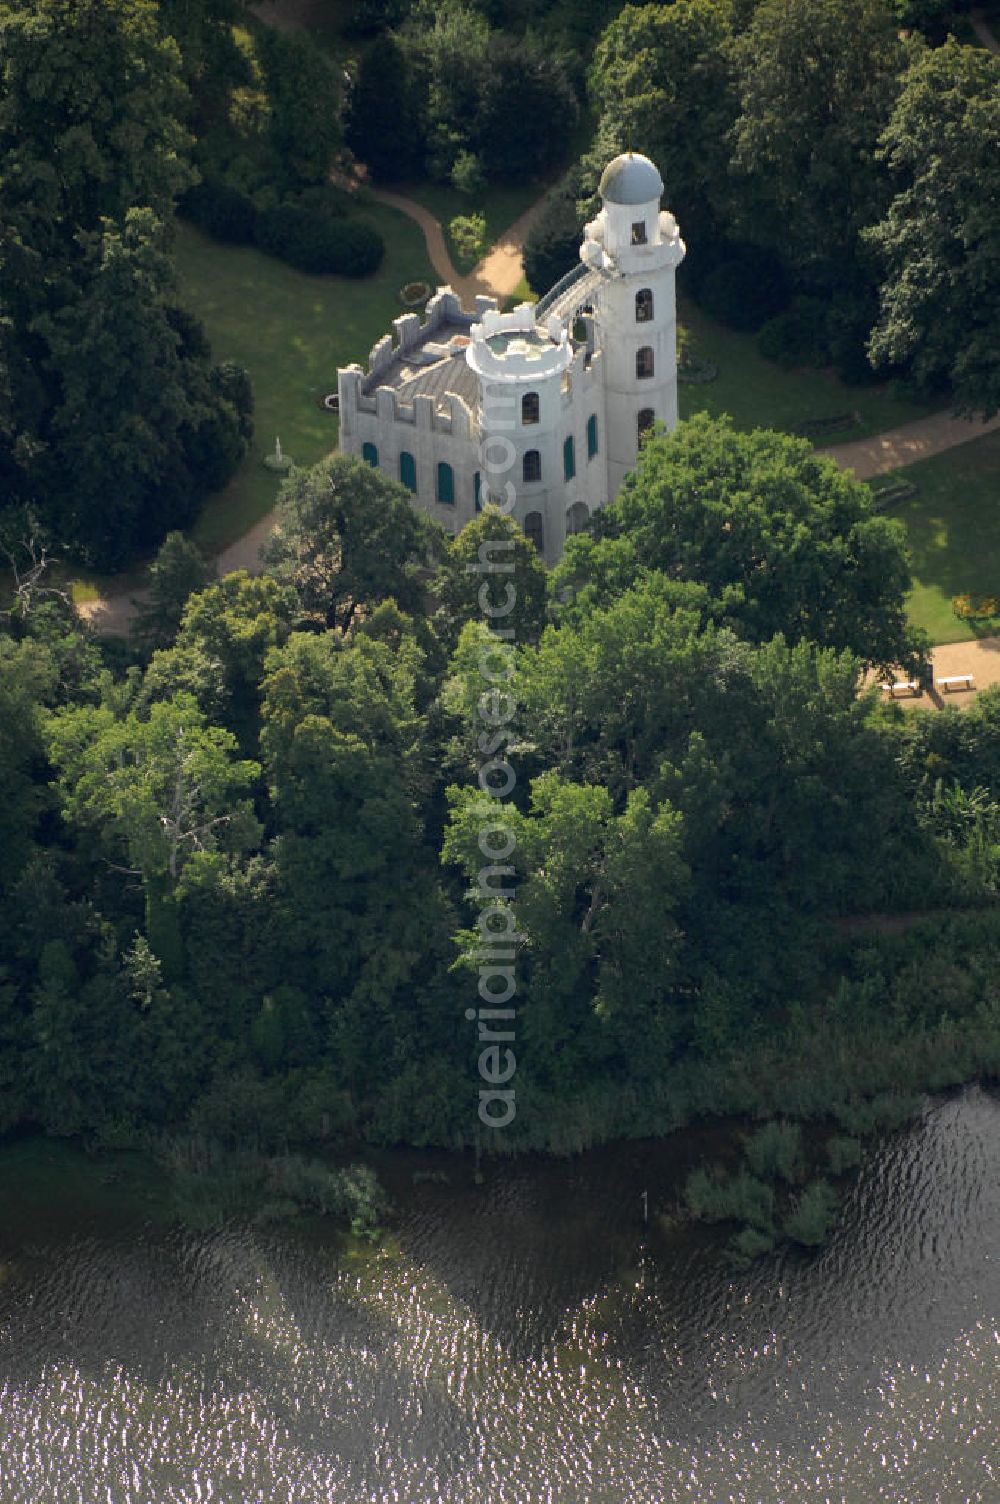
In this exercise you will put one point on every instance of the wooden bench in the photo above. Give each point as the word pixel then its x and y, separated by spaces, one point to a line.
pixel 903 686
pixel 956 681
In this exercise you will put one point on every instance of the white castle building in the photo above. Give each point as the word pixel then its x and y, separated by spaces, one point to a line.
pixel 552 398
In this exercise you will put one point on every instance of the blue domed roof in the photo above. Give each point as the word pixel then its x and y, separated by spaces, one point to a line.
pixel 630 179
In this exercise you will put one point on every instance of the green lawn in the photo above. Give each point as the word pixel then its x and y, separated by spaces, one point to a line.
pixel 291 331
pixel 756 393
pixel 953 527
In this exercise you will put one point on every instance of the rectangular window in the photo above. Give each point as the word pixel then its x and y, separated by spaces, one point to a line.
pixel 569 460
pixel 446 485
pixel 639 232
pixel 591 437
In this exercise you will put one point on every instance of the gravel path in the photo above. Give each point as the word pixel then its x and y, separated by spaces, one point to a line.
pixel 883 452
pixel 499 271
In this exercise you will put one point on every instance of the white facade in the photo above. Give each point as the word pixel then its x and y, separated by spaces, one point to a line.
pixel 469 405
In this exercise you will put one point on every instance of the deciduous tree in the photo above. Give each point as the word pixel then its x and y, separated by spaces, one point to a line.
pixel 347 538
pixel 939 242
pixel 782 538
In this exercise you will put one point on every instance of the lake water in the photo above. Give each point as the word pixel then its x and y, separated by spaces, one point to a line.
pixel 519 1345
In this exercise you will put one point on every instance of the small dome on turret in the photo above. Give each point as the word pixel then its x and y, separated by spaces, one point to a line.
pixel 630 179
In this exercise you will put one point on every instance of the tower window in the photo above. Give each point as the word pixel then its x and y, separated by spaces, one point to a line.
pixel 408 470
pixel 529 408
pixel 577 518
pixel 643 305
pixel 644 363
pixel 370 455
pixel 446 485
pixel 639 232
pixel 534 530
pixel 532 465
pixel 591 437
pixel 569 459
pixel 647 418
pixel 477 491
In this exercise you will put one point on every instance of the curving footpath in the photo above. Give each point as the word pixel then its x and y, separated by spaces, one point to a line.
pixel 496 275
pixel 896 447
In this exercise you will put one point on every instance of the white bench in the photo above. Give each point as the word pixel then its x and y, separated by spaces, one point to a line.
pixel 903 686
pixel 956 681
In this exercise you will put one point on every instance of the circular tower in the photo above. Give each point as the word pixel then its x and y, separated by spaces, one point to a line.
pixel 639 248
pixel 522 393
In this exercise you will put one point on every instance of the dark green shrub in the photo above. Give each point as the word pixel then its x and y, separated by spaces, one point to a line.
pixel 750 1243
pixel 739 1198
pixel 797 337
pixel 221 211
pixel 815 1210
pixel 849 324
pixel 746 288
pixel 842 1154
pixel 313 241
pixel 775 1151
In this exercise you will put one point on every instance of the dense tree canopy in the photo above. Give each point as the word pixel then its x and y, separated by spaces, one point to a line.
pixel 346 536
pixel 782 539
pixel 662 81
pixel 939 242
pixel 114 425
pixel 91 112
pixel 817 83
pixel 244 879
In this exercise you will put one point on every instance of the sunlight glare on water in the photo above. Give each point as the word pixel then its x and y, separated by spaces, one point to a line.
pixel 495 1360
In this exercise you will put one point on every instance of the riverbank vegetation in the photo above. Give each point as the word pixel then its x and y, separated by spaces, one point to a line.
pixel 239 859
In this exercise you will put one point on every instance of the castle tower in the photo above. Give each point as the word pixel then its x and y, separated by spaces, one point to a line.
pixel 638 247
pixel 522 370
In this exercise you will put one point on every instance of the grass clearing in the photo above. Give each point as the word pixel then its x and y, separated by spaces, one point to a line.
pixel 756 393
pixel 291 331
pixel 953 529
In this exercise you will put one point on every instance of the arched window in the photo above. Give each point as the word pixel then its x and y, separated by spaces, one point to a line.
pixel 534 530
pixel 569 459
pixel 646 420
pixel 591 437
pixel 446 485
pixel 408 470
pixel 532 466
pixel 644 362
pixel 530 409
pixel 370 455
pixel 643 305
pixel 577 517
pixel 639 232
pixel 477 491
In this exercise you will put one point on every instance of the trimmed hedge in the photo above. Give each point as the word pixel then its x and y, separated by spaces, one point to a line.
pixel 797 337
pixel 221 210
pixel 314 241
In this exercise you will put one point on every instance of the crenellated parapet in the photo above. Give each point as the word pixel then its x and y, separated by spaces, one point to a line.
pixel 448 414
pixel 444 308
